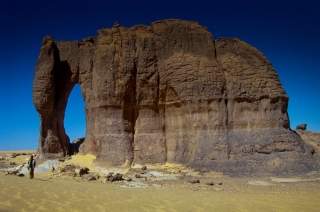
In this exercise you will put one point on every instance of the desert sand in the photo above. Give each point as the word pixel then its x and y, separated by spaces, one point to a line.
pixel 48 192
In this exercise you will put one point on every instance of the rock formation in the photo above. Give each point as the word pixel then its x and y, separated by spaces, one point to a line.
pixel 169 92
pixel 301 127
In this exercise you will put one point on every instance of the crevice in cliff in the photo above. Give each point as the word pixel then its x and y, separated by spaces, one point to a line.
pixel 227 113
pixel 215 48
pixel 163 118
pixel 130 110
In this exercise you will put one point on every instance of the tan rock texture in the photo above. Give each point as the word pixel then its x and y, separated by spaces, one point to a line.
pixel 311 138
pixel 169 92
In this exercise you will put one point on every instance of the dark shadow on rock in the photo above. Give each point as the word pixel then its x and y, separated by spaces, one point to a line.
pixel 75 146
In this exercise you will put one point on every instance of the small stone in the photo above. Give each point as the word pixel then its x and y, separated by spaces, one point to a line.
pixel 14 155
pixel 117 177
pixel 129 179
pixel 81 171
pixel 194 181
pixel 109 174
pixel 143 168
pixel 20 175
pixel 301 127
pixel 210 183
pixel 138 176
pixel 112 178
pixel 61 159
pixel 220 183
pixel 89 177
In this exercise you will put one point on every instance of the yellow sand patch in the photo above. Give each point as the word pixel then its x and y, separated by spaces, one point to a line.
pixel 82 160
pixel 21 159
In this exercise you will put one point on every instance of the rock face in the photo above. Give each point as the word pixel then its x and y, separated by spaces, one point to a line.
pixel 169 92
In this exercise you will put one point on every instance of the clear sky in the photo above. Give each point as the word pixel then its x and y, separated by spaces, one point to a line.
pixel 287 32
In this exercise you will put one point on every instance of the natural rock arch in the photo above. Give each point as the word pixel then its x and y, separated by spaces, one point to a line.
pixel 169 92
pixel 52 91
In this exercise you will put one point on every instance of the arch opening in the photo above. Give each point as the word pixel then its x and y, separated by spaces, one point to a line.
pixel 75 119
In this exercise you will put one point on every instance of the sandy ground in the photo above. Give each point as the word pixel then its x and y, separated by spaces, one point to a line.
pixel 65 193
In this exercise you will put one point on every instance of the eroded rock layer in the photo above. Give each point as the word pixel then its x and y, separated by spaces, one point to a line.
pixel 169 92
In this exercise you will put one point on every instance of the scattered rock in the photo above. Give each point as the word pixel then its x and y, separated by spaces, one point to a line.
pixel 301 127
pixel 116 177
pixel 14 155
pixel 143 168
pixel 194 181
pixel 14 172
pixel 69 169
pixel 110 174
pixel 220 183
pixel 210 183
pixel 81 171
pixel 89 177
pixel 138 176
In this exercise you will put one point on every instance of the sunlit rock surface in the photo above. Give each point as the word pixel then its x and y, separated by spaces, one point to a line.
pixel 169 92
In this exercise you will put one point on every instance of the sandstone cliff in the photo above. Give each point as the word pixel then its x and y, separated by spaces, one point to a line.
pixel 169 92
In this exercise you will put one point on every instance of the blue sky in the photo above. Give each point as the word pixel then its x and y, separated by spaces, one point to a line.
pixel 287 32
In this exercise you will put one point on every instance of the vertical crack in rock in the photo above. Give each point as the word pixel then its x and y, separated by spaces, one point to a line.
pixel 130 110
pixel 162 111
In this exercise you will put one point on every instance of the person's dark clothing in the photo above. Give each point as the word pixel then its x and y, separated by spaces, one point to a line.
pixel 31 166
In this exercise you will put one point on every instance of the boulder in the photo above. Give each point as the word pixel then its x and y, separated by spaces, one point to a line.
pixel 138 176
pixel 81 171
pixel 112 178
pixel 210 183
pixel 144 168
pixel 302 127
pixel 194 181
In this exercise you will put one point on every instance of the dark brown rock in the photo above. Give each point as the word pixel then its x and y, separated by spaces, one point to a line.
pixel 301 127
pixel 169 92
pixel 144 168
pixel 138 176
pixel 114 177
pixel 81 171
pixel 194 181
pixel 210 183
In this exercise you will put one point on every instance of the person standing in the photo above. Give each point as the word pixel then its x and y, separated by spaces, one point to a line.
pixel 31 166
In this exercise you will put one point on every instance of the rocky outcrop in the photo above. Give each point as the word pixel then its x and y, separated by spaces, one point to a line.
pixel 301 127
pixel 169 92
pixel 311 138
